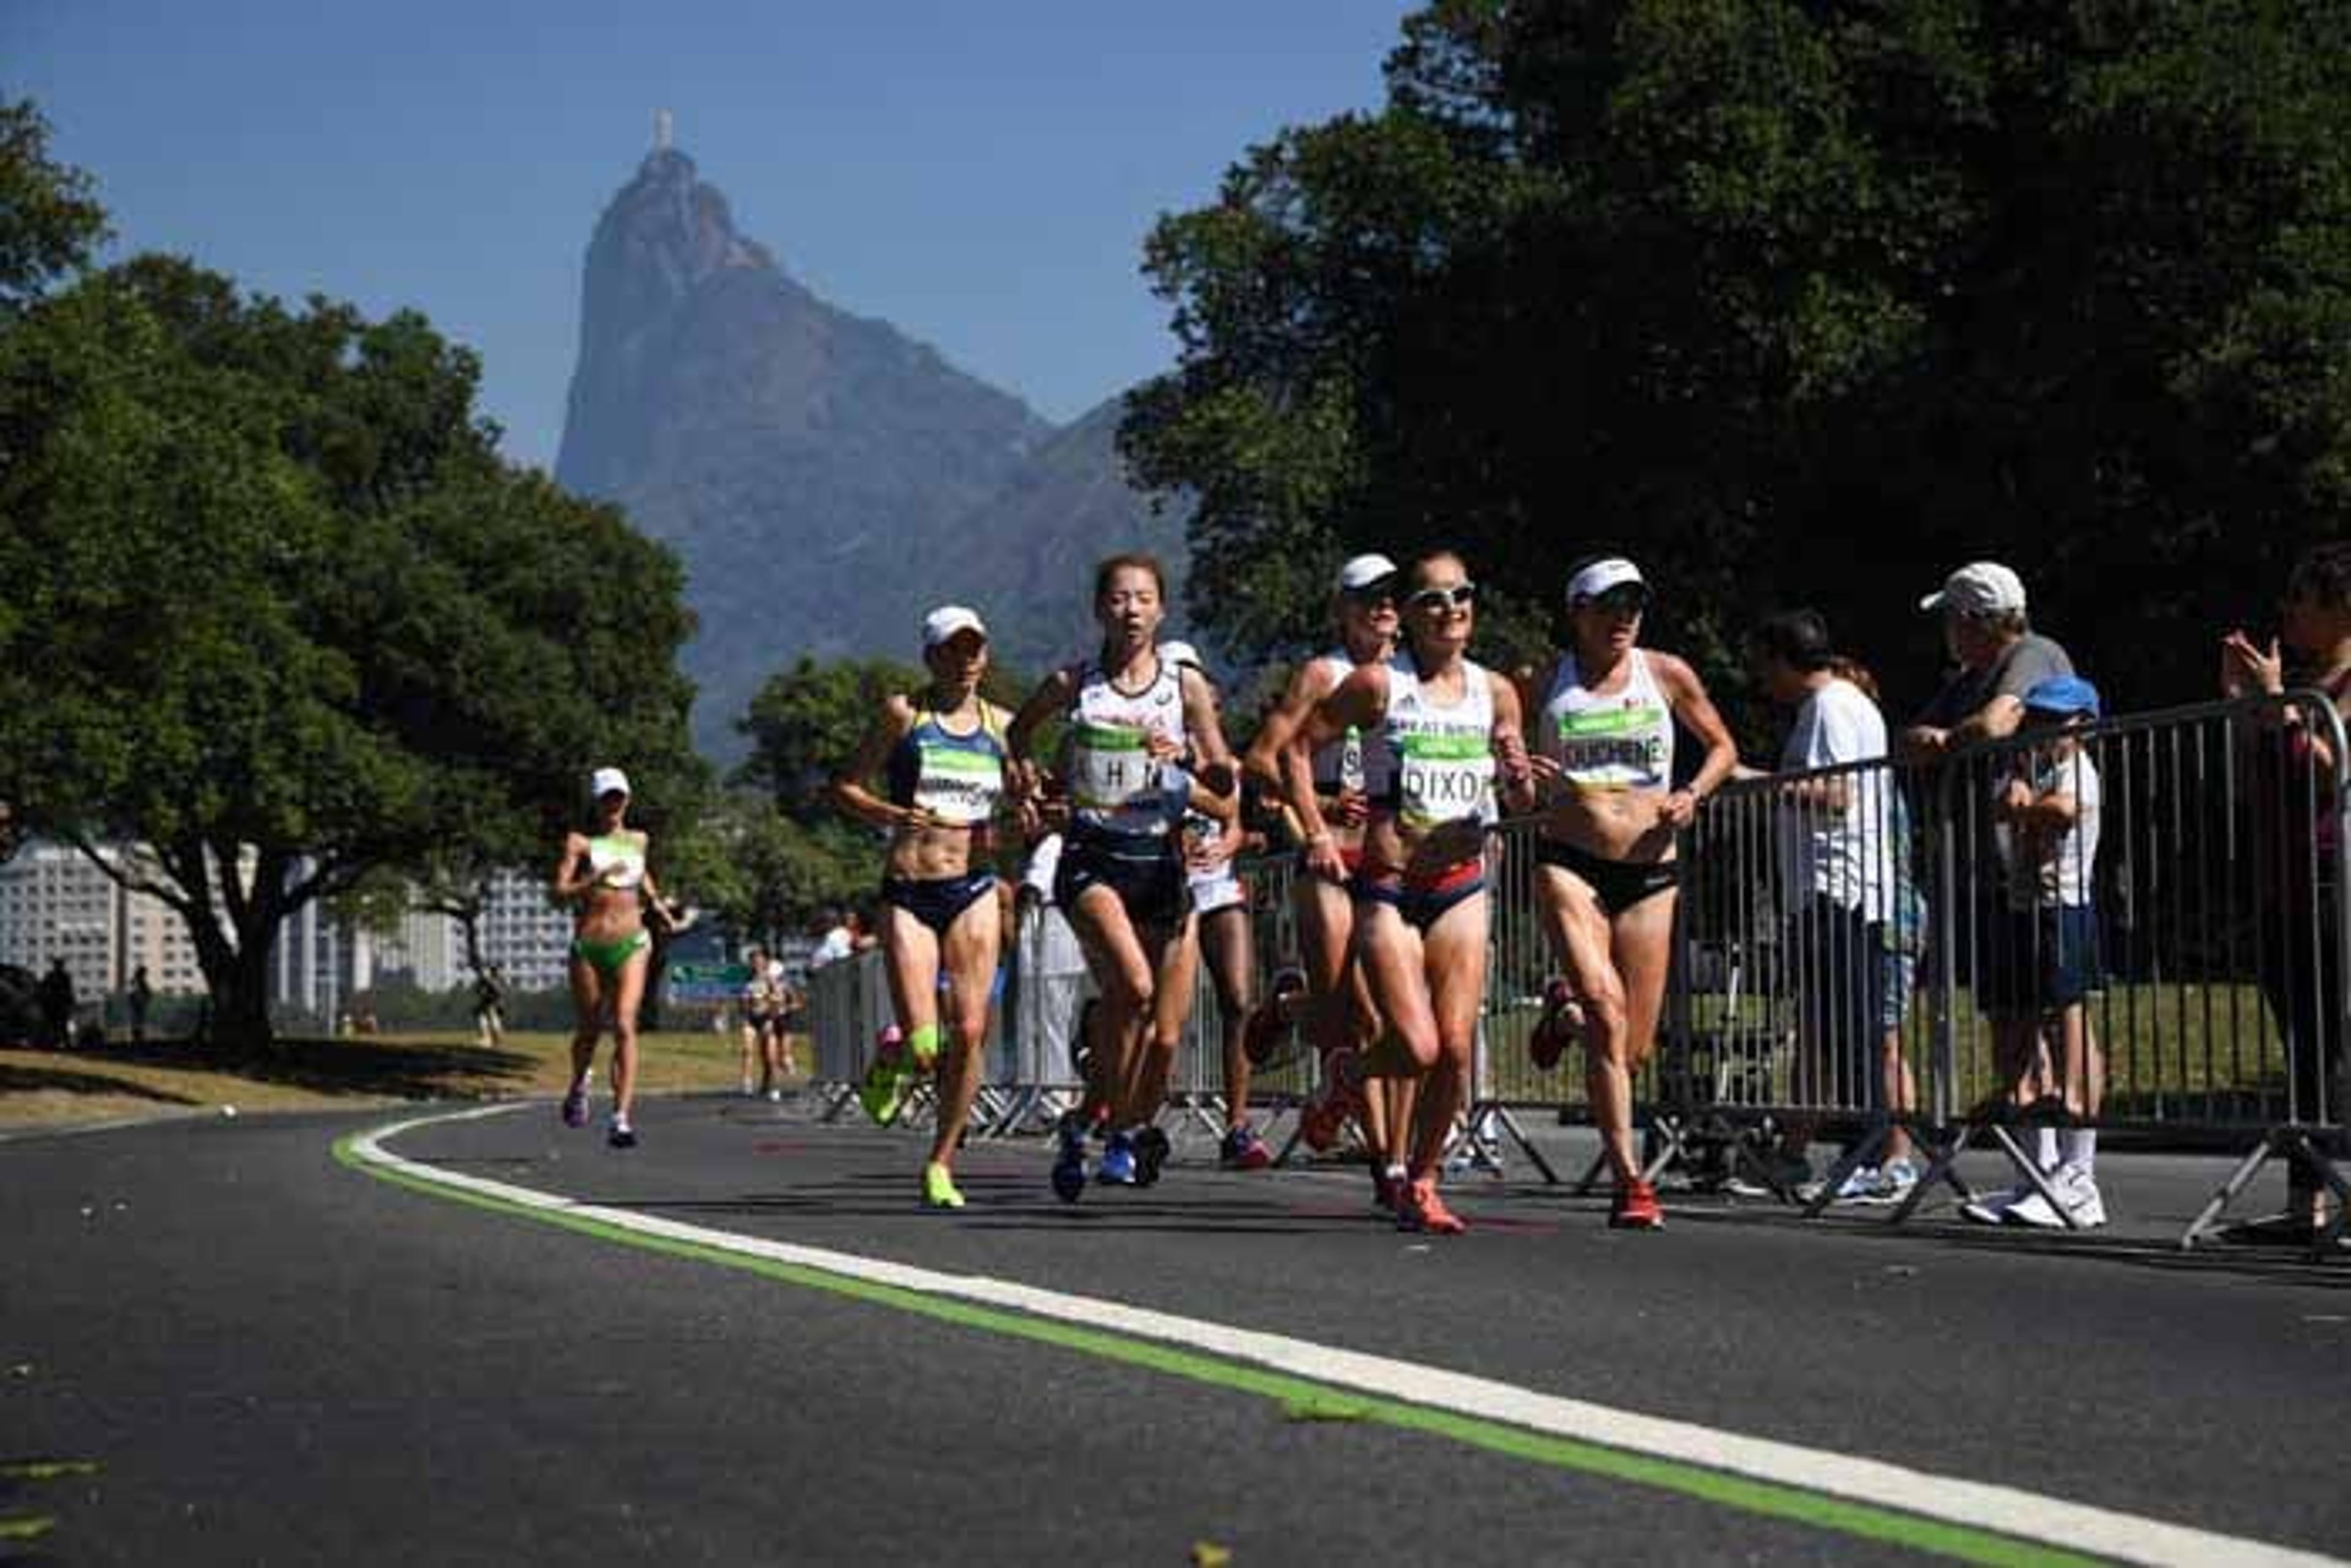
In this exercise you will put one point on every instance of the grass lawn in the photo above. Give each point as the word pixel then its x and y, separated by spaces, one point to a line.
pixel 56 1088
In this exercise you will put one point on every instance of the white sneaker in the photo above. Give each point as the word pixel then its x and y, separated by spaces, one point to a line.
pixel 2034 1210
pixel 1992 1208
pixel 775 1097
pixel 1860 1185
pixel 1895 1183
pixel 2083 1199
pixel 2080 1195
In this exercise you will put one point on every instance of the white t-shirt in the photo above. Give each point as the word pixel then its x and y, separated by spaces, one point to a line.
pixel 1839 853
pixel 2052 874
pixel 1044 859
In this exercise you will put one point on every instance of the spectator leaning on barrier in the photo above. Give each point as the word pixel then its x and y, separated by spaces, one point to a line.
pixel 2043 962
pixel 2299 837
pixel 1836 854
pixel 1999 655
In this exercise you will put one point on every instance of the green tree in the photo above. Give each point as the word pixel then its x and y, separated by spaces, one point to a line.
pixel 50 223
pixel 1798 301
pixel 272 608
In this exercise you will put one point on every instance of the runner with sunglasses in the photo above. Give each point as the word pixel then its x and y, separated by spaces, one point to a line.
pixel 1605 876
pixel 1334 1003
pixel 1447 727
pixel 1128 716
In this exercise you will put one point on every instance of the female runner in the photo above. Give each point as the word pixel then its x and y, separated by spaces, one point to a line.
pixel 1337 1005
pixel 1444 725
pixel 1605 877
pixel 1128 715
pixel 611 948
pixel 944 757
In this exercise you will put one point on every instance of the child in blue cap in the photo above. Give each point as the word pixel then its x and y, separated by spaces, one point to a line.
pixel 2043 961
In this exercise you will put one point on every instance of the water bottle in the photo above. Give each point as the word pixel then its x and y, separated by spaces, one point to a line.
pixel 1351 761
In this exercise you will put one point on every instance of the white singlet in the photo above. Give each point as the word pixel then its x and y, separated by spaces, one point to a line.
pixel 1442 757
pixel 1115 785
pixel 1620 740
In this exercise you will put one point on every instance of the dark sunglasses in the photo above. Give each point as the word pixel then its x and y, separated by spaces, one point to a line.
pixel 1625 601
pixel 1460 596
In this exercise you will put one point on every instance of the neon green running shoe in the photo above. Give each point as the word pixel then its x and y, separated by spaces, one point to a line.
pixel 884 1092
pixel 939 1189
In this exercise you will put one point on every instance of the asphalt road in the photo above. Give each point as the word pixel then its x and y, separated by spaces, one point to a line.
pixel 223 1344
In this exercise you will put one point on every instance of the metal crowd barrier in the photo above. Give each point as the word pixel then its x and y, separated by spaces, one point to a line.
pixel 1843 924
pixel 1865 952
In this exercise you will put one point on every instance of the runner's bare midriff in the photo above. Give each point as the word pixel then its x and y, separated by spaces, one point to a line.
pixel 1612 824
pixel 932 854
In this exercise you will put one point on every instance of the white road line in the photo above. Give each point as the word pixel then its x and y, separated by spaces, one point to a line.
pixel 2007 1511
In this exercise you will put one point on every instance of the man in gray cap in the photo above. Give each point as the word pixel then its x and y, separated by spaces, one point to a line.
pixel 2000 658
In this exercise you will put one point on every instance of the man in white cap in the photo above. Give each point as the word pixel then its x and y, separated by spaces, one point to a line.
pixel 2000 658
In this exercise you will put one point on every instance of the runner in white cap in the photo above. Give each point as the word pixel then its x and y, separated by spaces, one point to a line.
pixel 1128 716
pixel 1338 1010
pixel 942 753
pixel 605 875
pixel 1448 728
pixel 1604 868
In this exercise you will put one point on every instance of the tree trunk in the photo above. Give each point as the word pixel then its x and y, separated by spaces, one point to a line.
pixel 240 998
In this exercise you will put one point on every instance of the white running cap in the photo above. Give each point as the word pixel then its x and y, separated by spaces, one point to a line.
pixel 1362 571
pixel 607 781
pixel 1609 571
pixel 1978 588
pixel 948 620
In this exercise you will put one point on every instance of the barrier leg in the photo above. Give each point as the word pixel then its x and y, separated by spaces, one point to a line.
pixel 2238 1179
pixel 1861 1154
pixel 1501 1113
pixel 1941 1168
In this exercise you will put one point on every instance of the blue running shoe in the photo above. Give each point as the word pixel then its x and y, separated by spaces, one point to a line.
pixel 1117 1166
pixel 1070 1163
pixel 1151 1152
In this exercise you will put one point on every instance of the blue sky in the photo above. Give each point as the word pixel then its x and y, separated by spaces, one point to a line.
pixel 981 174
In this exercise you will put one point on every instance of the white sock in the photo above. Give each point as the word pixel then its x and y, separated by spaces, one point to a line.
pixel 2081 1149
pixel 1396 1171
pixel 2044 1148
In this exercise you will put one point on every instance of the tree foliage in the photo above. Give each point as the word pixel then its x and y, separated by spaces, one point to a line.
pixel 1798 300
pixel 50 223
pixel 271 606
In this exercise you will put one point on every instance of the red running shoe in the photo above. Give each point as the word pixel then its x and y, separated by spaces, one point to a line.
pixel 1340 1096
pixel 1421 1209
pixel 1636 1208
pixel 1560 1024
pixel 1269 1021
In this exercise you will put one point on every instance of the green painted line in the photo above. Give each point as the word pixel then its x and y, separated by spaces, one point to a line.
pixel 1326 1401
pixel 31 1527
pixel 47 1469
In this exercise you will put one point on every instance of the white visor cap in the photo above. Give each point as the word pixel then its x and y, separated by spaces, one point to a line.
pixel 1362 571
pixel 948 620
pixel 608 781
pixel 1610 571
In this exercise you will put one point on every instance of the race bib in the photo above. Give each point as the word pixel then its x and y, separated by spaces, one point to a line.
pixel 1614 747
pixel 1443 779
pixel 1110 767
pixel 959 786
